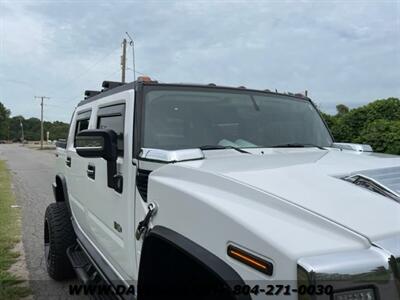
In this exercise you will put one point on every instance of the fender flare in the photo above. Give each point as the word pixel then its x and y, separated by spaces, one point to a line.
pixel 211 262
pixel 60 190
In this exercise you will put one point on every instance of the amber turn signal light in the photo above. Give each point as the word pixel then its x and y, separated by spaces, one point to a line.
pixel 250 260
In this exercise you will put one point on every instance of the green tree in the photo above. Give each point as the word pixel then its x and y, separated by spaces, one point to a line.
pixel 342 109
pixel 15 127
pixel 4 122
pixel 375 123
pixel 385 109
pixel 382 135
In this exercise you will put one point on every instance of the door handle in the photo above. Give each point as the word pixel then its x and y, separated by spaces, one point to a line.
pixel 91 171
pixel 68 161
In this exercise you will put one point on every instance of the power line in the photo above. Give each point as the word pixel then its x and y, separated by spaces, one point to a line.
pixel 86 70
pixel 80 94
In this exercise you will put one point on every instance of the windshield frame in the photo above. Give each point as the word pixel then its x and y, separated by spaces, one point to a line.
pixel 142 90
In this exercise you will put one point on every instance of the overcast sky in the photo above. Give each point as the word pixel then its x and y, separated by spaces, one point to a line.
pixel 340 51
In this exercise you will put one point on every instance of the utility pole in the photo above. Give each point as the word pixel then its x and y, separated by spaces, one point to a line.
pixel 123 60
pixel 41 119
pixel 22 131
pixel 131 43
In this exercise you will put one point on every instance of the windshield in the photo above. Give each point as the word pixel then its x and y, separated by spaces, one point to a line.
pixel 182 118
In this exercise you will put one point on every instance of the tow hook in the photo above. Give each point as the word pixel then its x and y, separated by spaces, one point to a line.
pixel 143 225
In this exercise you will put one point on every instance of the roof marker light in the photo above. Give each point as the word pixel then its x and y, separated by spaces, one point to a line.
pixel 144 78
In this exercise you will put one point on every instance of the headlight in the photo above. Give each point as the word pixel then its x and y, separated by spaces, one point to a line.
pixel 364 294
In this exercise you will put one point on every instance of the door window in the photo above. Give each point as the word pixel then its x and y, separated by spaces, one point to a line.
pixel 112 117
pixel 82 122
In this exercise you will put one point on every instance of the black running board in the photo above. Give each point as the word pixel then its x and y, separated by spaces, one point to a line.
pixel 97 271
pixel 87 271
pixel 81 264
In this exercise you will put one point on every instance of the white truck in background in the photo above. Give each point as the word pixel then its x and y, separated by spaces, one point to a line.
pixel 210 192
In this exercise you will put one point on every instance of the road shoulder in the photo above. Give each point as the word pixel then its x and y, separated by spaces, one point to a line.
pixel 13 271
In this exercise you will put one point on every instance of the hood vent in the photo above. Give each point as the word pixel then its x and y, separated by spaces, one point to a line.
pixel 382 181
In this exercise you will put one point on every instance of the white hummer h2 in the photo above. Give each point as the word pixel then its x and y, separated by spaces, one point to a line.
pixel 208 192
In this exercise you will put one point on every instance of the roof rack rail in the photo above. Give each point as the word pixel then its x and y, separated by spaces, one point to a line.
pixel 300 95
pixel 111 84
pixel 89 94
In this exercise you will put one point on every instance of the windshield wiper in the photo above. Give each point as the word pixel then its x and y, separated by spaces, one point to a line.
pixel 297 145
pixel 220 147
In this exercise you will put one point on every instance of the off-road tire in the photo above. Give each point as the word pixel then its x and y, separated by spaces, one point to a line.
pixel 58 236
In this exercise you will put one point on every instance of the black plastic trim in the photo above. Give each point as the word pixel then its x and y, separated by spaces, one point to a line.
pixel 60 190
pixel 207 259
pixel 142 182
pixel 137 120
pixel 91 171
pixel 117 109
pixel 323 121
pixel 139 85
pixel 83 115
pixel 108 92
pixel 105 270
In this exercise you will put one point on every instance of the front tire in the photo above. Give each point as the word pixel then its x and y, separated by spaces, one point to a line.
pixel 58 236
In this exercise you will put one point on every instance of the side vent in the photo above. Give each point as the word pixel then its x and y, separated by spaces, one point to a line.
pixel 142 180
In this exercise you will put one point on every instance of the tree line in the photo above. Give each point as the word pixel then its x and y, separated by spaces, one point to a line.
pixel 376 124
pixel 11 129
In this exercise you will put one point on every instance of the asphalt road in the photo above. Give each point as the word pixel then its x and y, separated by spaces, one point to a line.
pixel 33 172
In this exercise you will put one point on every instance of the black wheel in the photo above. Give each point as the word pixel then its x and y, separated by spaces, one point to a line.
pixel 58 236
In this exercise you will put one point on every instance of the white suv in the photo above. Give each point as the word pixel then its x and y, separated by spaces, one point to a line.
pixel 210 192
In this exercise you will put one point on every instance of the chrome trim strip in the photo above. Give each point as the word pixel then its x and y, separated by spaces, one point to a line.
pixel 170 156
pixel 94 148
pixel 372 267
pixel 353 147
pixel 386 190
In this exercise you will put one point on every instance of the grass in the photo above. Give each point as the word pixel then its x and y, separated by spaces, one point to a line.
pixel 11 286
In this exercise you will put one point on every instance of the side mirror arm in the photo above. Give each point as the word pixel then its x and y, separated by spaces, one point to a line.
pixel 114 179
pixel 111 172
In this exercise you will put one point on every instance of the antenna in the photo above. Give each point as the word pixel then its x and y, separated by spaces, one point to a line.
pixel 132 44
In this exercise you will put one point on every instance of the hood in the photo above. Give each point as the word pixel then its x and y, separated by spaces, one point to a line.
pixel 314 180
